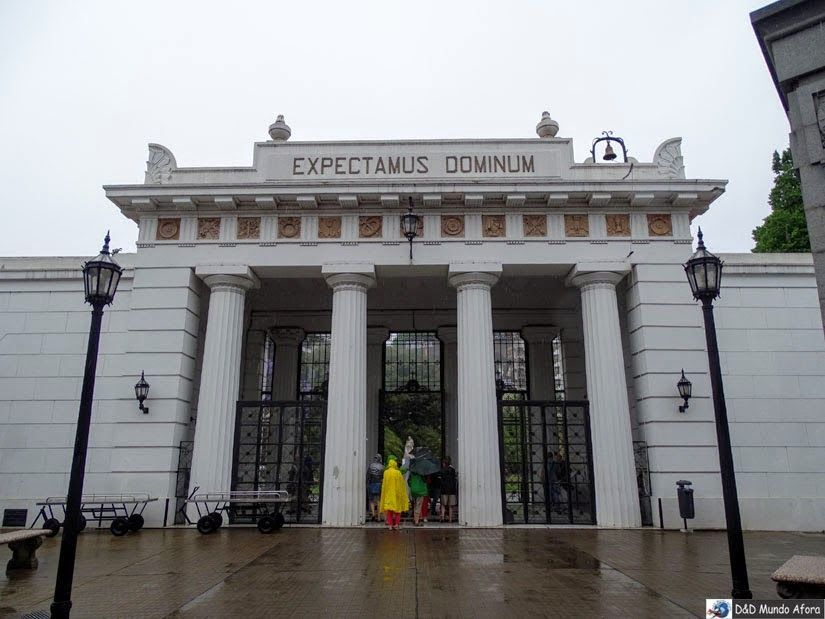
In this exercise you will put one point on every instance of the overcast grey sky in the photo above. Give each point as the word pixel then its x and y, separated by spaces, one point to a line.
pixel 84 86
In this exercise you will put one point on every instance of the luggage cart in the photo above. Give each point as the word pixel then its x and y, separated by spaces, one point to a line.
pixel 265 506
pixel 124 511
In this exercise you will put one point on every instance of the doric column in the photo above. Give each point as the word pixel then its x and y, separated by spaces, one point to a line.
pixel 285 376
pixel 220 376
pixel 614 471
pixel 478 449
pixel 344 455
pixel 540 361
pixel 376 336
pixel 449 365
pixel 254 358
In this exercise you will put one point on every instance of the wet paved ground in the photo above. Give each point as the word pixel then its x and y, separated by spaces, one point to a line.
pixel 424 572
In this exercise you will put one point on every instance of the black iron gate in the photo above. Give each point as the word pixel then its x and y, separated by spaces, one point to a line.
pixel 412 412
pixel 280 446
pixel 546 462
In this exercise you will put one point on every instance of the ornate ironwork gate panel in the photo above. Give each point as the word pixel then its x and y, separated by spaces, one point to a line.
pixel 411 402
pixel 182 480
pixel 546 462
pixel 280 446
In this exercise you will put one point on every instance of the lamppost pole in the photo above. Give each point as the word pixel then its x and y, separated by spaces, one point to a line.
pixel 62 604
pixel 704 273
pixel 101 276
pixel 736 545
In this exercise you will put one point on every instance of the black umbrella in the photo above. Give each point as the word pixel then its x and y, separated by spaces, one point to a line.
pixel 424 462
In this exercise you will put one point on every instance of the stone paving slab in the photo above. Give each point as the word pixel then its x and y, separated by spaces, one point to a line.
pixel 425 572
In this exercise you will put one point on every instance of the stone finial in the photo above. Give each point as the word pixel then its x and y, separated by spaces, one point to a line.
pixel 279 131
pixel 547 127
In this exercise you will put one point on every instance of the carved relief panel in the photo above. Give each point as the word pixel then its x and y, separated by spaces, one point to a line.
pixel 369 226
pixel 329 227
pixel 493 226
pixel 249 227
pixel 576 225
pixel 289 227
pixel 452 225
pixel 209 228
pixel 535 225
pixel 168 230
pixel 659 225
pixel 618 225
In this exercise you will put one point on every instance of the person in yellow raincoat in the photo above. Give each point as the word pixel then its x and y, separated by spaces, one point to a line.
pixel 394 499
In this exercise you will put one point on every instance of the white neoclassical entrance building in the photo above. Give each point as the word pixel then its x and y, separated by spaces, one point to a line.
pixel 288 336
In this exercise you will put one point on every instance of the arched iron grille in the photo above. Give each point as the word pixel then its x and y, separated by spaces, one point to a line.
pixel 411 401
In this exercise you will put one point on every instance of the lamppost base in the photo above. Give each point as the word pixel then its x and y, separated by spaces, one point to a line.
pixel 61 610
pixel 741 594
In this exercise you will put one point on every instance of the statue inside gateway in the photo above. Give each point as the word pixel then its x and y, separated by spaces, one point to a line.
pixel 544 446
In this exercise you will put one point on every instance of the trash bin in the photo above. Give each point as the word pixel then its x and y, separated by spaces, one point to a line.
pixel 685 496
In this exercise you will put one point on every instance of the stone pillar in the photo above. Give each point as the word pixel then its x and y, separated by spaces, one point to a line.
pixel 220 376
pixel 614 471
pixel 285 377
pixel 376 336
pixel 540 361
pixel 449 365
pixel 254 358
pixel 479 469
pixel 344 456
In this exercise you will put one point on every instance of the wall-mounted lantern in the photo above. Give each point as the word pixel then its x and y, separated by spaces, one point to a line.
pixel 141 393
pixel 684 386
pixel 410 222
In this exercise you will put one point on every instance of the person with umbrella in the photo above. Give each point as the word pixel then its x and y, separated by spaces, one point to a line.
pixel 422 464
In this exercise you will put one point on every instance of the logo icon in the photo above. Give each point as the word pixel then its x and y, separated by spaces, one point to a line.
pixel 718 608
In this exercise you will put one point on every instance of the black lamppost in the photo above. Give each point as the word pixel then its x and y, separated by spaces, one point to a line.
pixel 410 222
pixel 704 273
pixel 100 279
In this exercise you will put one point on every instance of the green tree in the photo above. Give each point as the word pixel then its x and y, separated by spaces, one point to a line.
pixel 785 229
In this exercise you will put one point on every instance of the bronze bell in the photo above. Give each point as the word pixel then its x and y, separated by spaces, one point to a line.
pixel 609 155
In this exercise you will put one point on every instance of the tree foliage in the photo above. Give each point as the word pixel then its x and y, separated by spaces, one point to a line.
pixel 785 229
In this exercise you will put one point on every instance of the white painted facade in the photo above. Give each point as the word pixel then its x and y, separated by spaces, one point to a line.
pixel 516 236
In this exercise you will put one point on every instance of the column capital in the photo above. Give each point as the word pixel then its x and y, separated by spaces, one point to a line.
pixel 584 274
pixel 448 335
pixel 286 336
pixel 353 275
pixel 377 335
pixel 463 274
pixel 228 275
pixel 539 334
pixel 465 279
pixel 260 323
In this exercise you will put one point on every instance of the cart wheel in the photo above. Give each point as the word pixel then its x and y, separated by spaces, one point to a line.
pixel 119 527
pixel 279 520
pixel 206 524
pixel 54 525
pixel 266 524
pixel 81 523
pixel 217 519
pixel 135 522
